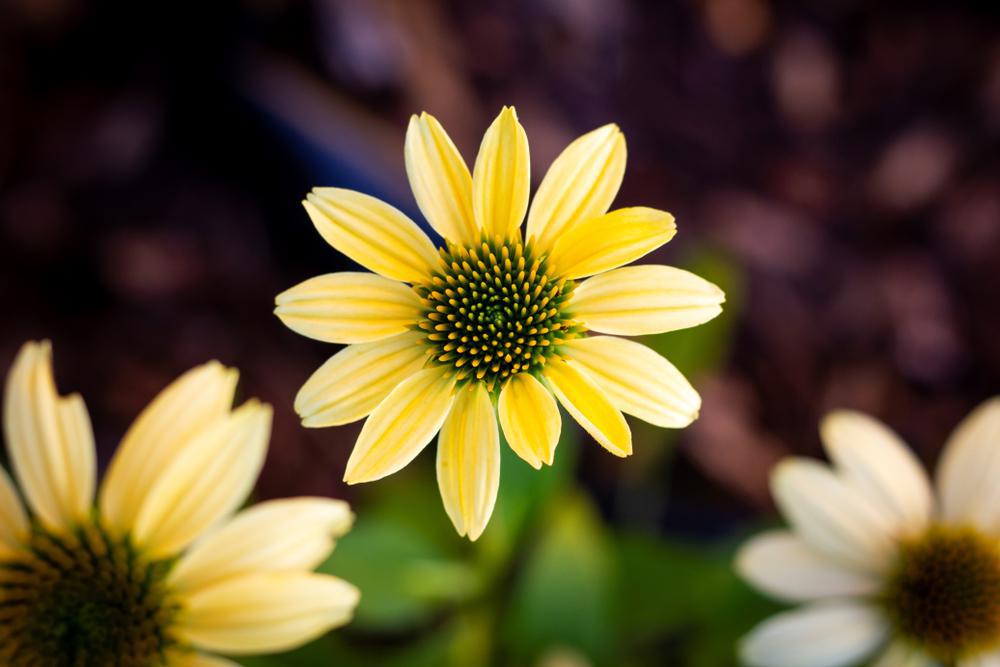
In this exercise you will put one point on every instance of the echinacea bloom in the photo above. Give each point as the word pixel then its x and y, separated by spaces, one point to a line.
pixel 158 572
pixel 490 329
pixel 887 566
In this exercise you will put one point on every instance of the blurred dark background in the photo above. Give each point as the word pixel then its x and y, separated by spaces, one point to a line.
pixel 833 165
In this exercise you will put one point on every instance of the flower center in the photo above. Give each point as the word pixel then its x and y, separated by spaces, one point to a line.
pixel 82 600
pixel 944 593
pixel 493 310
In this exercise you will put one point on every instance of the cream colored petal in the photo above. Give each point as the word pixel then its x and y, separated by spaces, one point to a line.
pixel 832 517
pixel 179 658
pixel 265 613
pixel 645 299
pixel 530 419
pixel 275 536
pixel 440 180
pixel 580 184
pixel 14 527
pixel 969 469
pixel 637 380
pixel 349 307
pixel 900 654
pixel 402 425
pixel 50 441
pixel 783 566
pixel 502 176
pixel 880 466
pixel 205 482
pixel 167 427
pixel 355 380
pixel 991 659
pixel 611 240
pixel 589 405
pixel 468 461
pixel 829 634
pixel 372 233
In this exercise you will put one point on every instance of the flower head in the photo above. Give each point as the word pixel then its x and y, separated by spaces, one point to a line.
pixel 883 566
pixel 159 571
pixel 491 328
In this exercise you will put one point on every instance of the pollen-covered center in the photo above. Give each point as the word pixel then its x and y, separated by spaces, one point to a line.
pixel 82 600
pixel 493 310
pixel 944 593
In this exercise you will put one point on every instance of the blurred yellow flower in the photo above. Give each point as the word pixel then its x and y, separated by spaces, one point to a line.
pixel 884 567
pixel 492 325
pixel 158 572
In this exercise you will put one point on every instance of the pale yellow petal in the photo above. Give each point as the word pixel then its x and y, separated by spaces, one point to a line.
pixel 880 466
pixel 293 534
pixel 355 380
pixel 611 240
pixel 348 307
pixel 502 176
pixel 468 461
pixel 637 380
pixel 580 184
pixel 180 658
pixel 264 613
pixel 372 233
pixel 589 405
pixel 646 299
pixel 50 441
pixel 14 527
pixel 832 517
pixel 440 180
pixel 969 468
pixel 205 482
pixel 402 425
pixel 530 419
pixel 166 428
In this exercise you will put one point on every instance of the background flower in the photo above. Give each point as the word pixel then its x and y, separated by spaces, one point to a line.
pixel 832 166
pixel 157 568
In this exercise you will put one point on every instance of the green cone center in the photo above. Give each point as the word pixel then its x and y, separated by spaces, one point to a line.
pixel 82 600
pixel 944 593
pixel 493 310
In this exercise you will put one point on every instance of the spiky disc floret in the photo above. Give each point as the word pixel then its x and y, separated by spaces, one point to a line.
pixel 82 599
pixel 493 310
pixel 944 593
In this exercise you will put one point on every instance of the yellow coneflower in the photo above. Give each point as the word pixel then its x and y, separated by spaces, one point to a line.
pixel 885 568
pixel 493 324
pixel 159 571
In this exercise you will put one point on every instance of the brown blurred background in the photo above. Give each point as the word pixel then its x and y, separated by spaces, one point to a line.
pixel 839 160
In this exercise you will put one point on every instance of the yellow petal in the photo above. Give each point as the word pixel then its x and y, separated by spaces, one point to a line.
pixel 402 425
pixel 637 380
pixel 502 176
pixel 50 441
pixel 468 461
pixel 264 613
pixel 647 299
pixel 611 240
pixel 170 424
pixel 440 180
pixel 205 482
pixel 530 419
pixel 348 307
pixel 14 527
pixel 355 380
pixel 372 233
pixel 589 405
pixel 580 184
pixel 293 534
pixel 181 658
